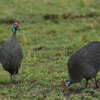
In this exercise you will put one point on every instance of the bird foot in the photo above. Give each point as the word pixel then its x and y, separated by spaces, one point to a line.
pixel 96 87
pixel 13 81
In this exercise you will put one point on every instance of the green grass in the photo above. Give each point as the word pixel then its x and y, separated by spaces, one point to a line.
pixel 51 30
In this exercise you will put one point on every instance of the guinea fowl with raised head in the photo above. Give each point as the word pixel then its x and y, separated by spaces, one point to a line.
pixel 11 54
pixel 84 63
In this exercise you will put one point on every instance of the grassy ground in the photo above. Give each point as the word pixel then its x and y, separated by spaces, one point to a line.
pixel 51 30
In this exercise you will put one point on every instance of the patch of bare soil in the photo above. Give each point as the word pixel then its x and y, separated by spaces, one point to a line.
pixel 7 21
pixel 70 94
pixel 67 14
pixel 41 48
pixel 88 28
pixel 51 17
pixel 76 15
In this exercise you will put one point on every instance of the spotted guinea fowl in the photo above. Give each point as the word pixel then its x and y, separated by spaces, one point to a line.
pixel 84 63
pixel 11 54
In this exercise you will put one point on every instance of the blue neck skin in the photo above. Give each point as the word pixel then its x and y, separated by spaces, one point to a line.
pixel 14 33
pixel 67 83
pixel 13 29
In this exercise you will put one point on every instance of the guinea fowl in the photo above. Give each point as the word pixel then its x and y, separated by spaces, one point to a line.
pixel 84 63
pixel 11 54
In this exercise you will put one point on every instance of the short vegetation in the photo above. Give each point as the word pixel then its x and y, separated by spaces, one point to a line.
pixel 50 31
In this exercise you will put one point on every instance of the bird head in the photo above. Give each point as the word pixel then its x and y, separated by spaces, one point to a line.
pixel 66 84
pixel 15 26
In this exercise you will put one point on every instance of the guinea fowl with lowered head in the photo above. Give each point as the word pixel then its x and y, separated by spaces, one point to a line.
pixel 84 63
pixel 11 54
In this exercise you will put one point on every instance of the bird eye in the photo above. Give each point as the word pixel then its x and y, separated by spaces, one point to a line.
pixel 65 85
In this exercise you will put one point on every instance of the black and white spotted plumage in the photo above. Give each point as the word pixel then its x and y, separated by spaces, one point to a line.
pixel 11 54
pixel 84 63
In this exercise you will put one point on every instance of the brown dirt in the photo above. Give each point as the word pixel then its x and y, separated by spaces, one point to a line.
pixel 47 48
pixel 76 15
pixel 70 94
pixel 51 17
pixel 88 28
pixel 7 21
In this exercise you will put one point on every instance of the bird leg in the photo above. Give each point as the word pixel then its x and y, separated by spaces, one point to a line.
pixel 14 77
pixel 96 83
pixel 86 83
pixel 11 77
